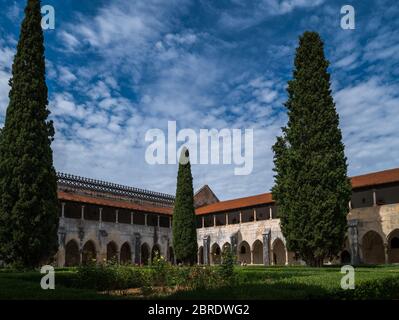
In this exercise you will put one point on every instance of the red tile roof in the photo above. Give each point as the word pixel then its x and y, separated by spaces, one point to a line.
pixel 259 199
pixel 113 203
pixel 366 180
pixel 375 178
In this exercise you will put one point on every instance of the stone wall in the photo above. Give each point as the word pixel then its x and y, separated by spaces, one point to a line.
pixel 101 234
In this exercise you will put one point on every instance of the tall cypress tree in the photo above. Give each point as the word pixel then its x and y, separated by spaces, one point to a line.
pixel 28 183
pixel 184 225
pixel 311 185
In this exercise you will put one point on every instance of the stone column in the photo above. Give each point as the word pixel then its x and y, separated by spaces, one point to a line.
pixel 240 217
pixel 170 222
pixel 266 240
pixel 145 219
pixel 131 217
pixel 354 241
pixel 116 216
pixel 286 256
pixel 374 198
pixel 158 217
pixel 214 220
pixel 233 242
pixel 270 213
pixel 63 210
pixel 255 218
pixel 137 248
pixel 82 213
pixel 101 216
pixel 227 219
pixel 386 248
pixel 203 222
pixel 61 246
pixel 252 257
pixel 206 241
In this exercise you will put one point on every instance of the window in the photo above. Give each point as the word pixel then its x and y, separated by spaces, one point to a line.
pixel 164 222
pixel 234 217
pixel 92 212
pixel 395 243
pixel 220 219
pixel 124 216
pixel 247 215
pixel 72 210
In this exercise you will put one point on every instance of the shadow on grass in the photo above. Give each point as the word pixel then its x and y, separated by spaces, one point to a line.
pixel 274 291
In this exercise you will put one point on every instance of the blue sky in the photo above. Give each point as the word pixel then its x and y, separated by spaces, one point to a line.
pixel 118 68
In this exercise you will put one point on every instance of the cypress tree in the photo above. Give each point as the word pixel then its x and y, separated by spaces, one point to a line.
pixel 28 183
pixel 184 224
pixel 311 187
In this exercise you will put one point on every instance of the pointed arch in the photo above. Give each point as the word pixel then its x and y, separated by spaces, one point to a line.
pixel 257 251
pixel 126 254
pixel 89 252
pixel 393 246
pixel 72 254
pixel 373 248
pixel 279 254
pixel 244 252
pixel 112 251
pixel 156 251
pixel 216 254
pixel 145 254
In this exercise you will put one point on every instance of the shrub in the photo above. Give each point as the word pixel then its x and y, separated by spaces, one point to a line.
pixel 226 269
pixel 161 270
pixel 386 288
pixel 203 277
pixel 108 276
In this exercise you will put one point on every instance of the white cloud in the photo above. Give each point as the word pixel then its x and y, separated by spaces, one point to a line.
pixel 246 15
pixel 369 115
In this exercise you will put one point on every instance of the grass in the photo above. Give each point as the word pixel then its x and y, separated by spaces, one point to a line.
pixel 26 286
pixel 251 283
pixel 294 283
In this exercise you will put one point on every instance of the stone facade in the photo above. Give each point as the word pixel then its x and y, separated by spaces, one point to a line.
pixel 136 237
pixel 106 221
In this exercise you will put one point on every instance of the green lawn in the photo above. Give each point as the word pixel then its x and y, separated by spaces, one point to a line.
pixel 26 286
pixel 252 283
pixel 302 283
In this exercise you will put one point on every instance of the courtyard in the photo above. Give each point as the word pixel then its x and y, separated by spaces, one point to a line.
pixel 251 282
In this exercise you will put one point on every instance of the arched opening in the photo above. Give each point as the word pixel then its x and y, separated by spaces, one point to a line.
pixel 257 251
pixel 155 252
pixel 112 252
pixel 226 246
pixel 216 254
pixel 393 249
pixel 89 253
pixel 373 248
pixel 345 257
pixel 171 256
pixel 244 253
pixel 126 254
pixel 145 254
pixel 72 256
pixel 201 255
pixel 278 252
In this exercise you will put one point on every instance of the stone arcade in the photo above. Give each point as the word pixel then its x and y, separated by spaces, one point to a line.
pixel 105 221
